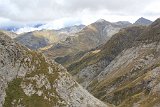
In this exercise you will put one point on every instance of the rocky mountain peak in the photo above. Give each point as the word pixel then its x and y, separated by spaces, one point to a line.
pixel 100 21
pixel 143 21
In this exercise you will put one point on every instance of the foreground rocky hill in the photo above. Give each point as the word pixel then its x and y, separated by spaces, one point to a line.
pixel 125 71
pixel 28 79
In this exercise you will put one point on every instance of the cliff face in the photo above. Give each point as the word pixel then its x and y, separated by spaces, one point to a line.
pixel 125 71
pixel 28 79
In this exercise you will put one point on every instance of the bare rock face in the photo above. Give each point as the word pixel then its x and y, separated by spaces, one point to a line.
pixel 28 79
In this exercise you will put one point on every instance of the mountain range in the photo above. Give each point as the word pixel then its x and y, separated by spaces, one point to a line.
pixel 104 64
pixel 71 43
pixel 92 36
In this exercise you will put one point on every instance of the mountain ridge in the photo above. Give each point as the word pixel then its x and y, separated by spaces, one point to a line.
pixel 126 71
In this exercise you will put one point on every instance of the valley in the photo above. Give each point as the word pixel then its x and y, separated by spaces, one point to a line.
pixel 103 64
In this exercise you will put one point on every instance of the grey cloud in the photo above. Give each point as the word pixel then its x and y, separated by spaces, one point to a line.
pixel 32 10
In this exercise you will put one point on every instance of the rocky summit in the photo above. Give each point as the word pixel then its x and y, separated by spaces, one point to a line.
pixel 143 21
pixel 29 79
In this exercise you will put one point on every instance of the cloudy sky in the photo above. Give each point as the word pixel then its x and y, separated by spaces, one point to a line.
pixel 60 13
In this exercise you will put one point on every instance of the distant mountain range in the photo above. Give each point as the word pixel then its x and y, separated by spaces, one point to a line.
pixel 40 26
pixel 42 38
pixel 64 43
pixel 15 28
pixel 88 38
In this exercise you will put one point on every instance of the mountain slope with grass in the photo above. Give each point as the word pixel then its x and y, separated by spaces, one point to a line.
pixel 96 60
pixel 125 71
pixel 29 79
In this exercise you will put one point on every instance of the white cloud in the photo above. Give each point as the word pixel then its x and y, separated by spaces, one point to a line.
pixel 26 29
pixel 56 24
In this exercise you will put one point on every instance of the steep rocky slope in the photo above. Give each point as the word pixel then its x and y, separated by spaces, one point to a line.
pixel 28 79
pixel 125 71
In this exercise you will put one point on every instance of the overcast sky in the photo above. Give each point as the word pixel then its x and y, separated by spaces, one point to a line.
pixel 61 13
